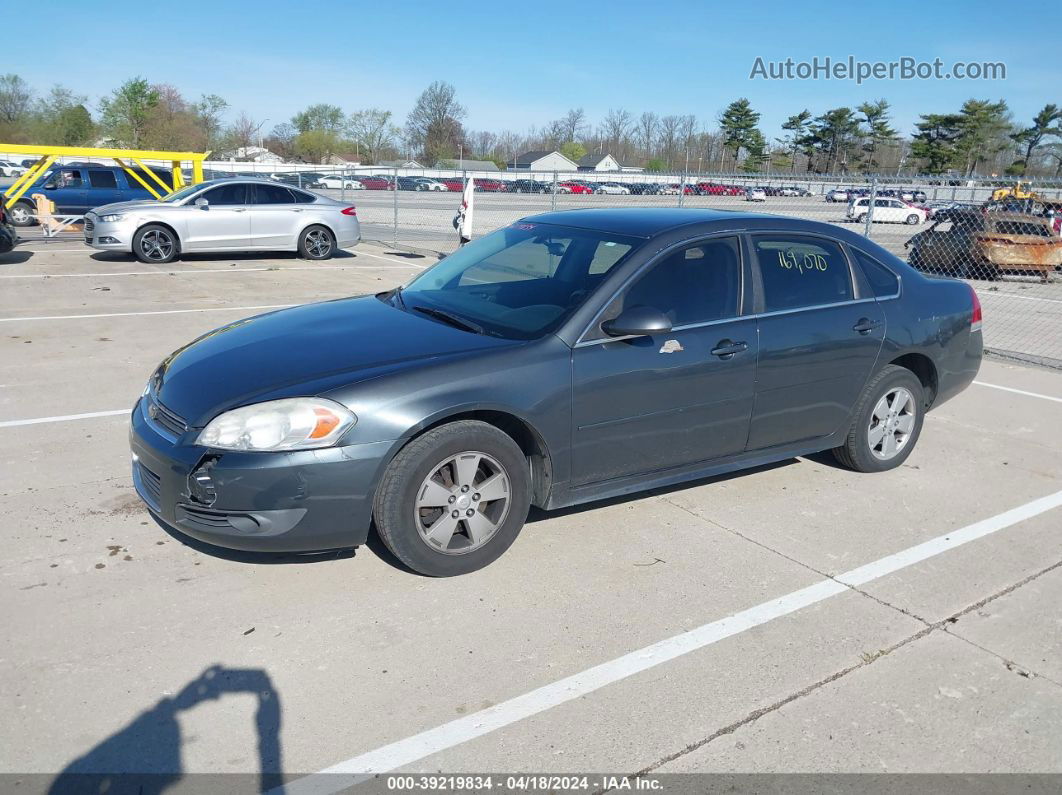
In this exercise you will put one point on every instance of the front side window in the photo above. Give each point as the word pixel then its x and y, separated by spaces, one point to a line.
pixel 519 282
pixel 696 284
pixel 233 193
pixel 800 271
pixel 67 178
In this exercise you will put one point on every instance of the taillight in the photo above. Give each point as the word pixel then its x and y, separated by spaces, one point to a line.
pixel 349 211
pixel 975 317
pixel 997 240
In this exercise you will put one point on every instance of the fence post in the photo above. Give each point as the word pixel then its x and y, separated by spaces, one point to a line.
pixel 870 206
pixel 553 193
pixel 682 190
pixel 342 186
pixel 395 203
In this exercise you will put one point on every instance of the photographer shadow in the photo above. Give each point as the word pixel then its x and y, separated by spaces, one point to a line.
pixel 145 756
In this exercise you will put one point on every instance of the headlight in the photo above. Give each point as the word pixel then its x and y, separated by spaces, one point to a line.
pixel 112 217
pixel 289 424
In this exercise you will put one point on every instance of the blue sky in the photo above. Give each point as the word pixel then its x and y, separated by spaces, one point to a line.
pixel 517 64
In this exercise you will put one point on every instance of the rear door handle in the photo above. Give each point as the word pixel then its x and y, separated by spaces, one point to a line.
pixel 239 209
pixel 865 325
pixel 726 349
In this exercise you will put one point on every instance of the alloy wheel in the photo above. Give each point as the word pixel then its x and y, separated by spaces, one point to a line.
pixel 156 245
pixel 318 243
pixel 462 503
pixel 891 423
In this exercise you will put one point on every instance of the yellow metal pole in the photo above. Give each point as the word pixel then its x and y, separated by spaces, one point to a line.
pixel 178 174
pixel 136 176
pixel 14 194
pixel 197 170
pixel 152 174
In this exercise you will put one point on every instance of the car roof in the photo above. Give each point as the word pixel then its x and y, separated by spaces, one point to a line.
pixel 650 221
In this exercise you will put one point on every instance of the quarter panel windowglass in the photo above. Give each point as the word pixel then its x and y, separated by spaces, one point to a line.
pixel 883 282
pixel 102 179
pixel 802 271
pixel 696 284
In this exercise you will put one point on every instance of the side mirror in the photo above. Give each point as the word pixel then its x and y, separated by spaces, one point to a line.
pixel 202 203
pixel 50 186
pixel 637 321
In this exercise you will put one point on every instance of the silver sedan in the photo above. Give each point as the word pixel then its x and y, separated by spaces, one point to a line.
pixel 225 215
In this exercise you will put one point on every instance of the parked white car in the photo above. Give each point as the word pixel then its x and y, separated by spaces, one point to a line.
pixel 427 183
pixel 755 195
pixel 10 169
pixel 886 210
pixel 612 188
pixel 837 195
pixel 338 182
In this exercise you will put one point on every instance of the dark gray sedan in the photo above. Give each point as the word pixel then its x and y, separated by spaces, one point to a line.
pixel 569 357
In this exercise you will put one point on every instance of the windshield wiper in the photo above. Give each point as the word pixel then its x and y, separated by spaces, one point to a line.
pixel 453 320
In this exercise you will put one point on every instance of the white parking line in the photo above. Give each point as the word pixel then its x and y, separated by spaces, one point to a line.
pixel 419 746
pixel 1022 297
pixel 1019 391
pixel 154 312
pixel 63 418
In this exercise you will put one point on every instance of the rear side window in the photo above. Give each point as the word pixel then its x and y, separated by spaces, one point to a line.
pixel 1022 228
pixel 802 271
pixel 102 179
pixel 272 194
pixel 883 282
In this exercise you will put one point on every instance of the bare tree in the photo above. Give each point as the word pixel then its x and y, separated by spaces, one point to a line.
pixel 573 124
pixel 647 126
pixel 615 129
pixel 241 133
pixel 687 132
pixel 373 131
pixel 669 138
pixel 15 98
pixel 433 127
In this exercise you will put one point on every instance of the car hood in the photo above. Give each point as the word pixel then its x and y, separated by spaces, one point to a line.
pixel 306 350
pixel 133 204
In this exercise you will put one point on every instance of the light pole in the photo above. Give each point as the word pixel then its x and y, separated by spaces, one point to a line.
pixel 258 131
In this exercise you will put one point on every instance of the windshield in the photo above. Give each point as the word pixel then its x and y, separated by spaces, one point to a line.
pixel 520 282
pixel 183 193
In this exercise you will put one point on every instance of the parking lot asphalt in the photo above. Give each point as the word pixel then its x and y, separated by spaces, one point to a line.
pixel 798 617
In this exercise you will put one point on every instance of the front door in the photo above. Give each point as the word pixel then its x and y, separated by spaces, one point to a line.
pixel 223 222
pixel 67 188
pixel 651 403
pixel 818 340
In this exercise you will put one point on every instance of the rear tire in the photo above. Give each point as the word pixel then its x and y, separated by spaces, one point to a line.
pixel 913 220
pixel 886 422
pixel 156 244
pixel 316 243
pixel 468 530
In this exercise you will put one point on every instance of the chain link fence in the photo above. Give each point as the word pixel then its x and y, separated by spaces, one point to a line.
pixel 1002 237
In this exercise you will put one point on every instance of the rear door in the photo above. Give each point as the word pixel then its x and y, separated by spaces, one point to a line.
pixel 819 339
pixel 275 217
pixel 222 223
pixel 102 187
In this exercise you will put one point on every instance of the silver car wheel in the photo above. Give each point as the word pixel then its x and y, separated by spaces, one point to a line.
pixel 891 423
pixel 156 245
pixel 20 215
pixel 318 243
pixel 462 503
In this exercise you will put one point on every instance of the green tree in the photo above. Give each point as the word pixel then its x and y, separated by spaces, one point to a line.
pixel 655 164
pixel 934 143
pixel 738 123
pixel 1045 123
pixel 433 127
pixel 61 118
pixel 16 98
pixel 573 150
pixel 756 145
pixel 209 111
pixel 798 126
pixel 984 131
pixel 875 115
pixel 74 126
pixel 125 113
pixel 834 133
pixel 314 146
pixel 322 117
pixel 373 132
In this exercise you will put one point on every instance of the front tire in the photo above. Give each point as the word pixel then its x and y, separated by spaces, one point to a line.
pixel 454 499
pixel 886 422
pixel 913 219
pixel 316 243
pixel 156 244
pixel 21 214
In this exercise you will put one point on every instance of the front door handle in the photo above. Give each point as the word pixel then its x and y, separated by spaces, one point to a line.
pixel 297 210
pixel 726 349
pixel 865 325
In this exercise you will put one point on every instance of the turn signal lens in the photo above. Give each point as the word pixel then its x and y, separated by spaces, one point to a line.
pixel 975 317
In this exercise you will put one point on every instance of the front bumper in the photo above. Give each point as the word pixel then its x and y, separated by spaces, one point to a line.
pixel 109 236
pixel 302 501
